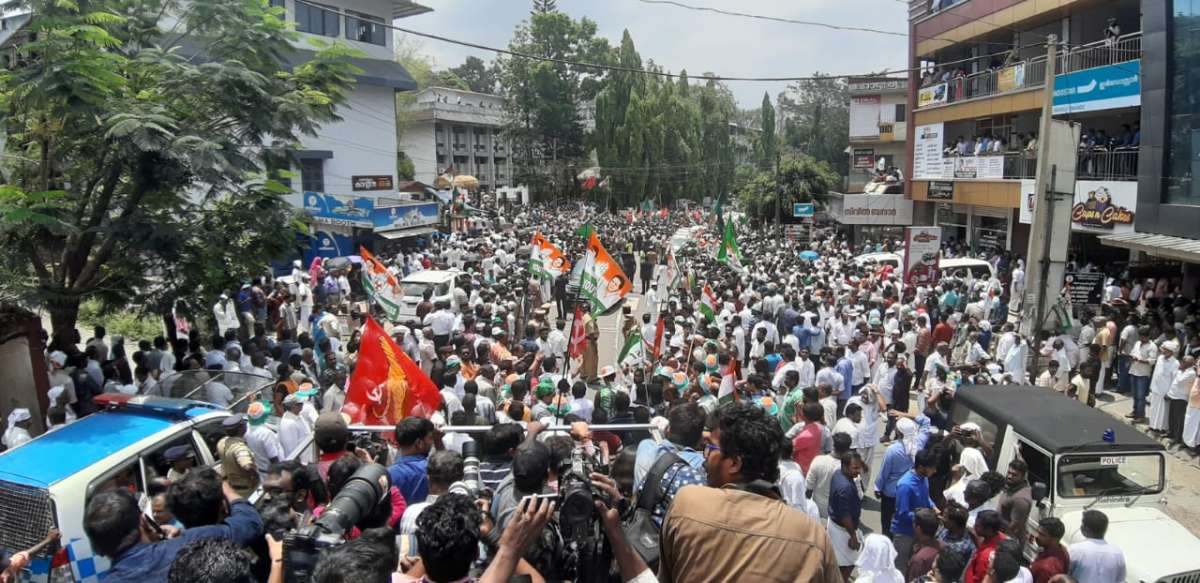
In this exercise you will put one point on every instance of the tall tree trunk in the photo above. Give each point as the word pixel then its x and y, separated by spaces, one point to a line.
pixel 64 315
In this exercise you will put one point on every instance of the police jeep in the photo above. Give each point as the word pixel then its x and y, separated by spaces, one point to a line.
pixel 47 482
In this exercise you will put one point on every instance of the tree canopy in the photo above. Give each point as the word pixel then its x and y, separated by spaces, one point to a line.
pixel 137 154
pixel 817 119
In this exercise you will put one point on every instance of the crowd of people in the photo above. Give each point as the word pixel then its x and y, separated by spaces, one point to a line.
pixel 828 358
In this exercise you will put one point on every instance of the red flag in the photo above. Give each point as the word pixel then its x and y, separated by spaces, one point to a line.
pixel 590 183
pixel 387 385
pixel 578 337
pixel 658 335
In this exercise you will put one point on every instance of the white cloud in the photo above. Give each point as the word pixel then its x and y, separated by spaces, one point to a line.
pixel 699 41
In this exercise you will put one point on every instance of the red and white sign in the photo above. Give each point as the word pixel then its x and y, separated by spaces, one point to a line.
pixel 922 251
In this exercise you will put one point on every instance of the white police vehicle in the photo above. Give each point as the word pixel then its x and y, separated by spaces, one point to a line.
pixel 47 482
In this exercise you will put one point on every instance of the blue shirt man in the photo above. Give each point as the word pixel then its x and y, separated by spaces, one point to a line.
pixel 415 436
pixel 912 493
pixel 845 368
pixel 844 501
pixel 145 562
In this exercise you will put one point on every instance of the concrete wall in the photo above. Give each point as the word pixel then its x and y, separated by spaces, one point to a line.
pixel 363 143
pixel 380 8
pixel 418 143
pixel 18 386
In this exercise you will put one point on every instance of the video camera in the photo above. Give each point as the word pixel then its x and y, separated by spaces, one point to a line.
pixel 359 498
pixel 586 553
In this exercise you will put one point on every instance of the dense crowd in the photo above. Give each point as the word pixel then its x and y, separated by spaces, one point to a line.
pixel 829 358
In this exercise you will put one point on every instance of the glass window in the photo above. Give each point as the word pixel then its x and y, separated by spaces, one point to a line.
pixel 279 3
pixel 901 111
pixel 312 175
pixel 1183 121
pixel 316 19
pixel 365 28
pixel 1039 463
pixel 1090 475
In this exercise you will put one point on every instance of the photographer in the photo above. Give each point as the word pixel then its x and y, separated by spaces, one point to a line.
pixel 386 513
pixel 499 445
pixel 139 553
pixel 445 469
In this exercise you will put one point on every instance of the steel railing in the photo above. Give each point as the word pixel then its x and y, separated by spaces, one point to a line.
pixel 1102 164
pixel 1033 71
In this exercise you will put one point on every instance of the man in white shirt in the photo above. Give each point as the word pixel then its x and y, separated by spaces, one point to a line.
pixel 1160 384
pixel 304 299
pixel 225 313
pixel 261 440
pixel 1177 397
pixel 293 431
pixel 1142 359
pixel 441 321
pixel 1094 560
pixel 862 367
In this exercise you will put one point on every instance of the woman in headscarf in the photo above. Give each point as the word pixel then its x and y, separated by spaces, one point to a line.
pixel 971 464
pixel 877 561
pixel 17 432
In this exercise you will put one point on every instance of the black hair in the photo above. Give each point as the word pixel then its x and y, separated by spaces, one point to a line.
pixel 620 401
pixel 685 424
pixel 340 472
pixel 196 499
pixel 213 560
pixel 994 480
pixel 502 437
pixel 747 432
pixel 1094 524
pixel 111 522
pixel 448 537
pixel 841 443
pixel 989 519
pixel 925 459
pixel 579 390
pixel 950 565
pixel 813 412
pixel 411 430
pixel 1005 566
pixel 852 408
pixel 926 521
pixel 277 517
pixel 561 448
pixel 445 467
pixel 1019 465
pixel 531 467
pixel 955 513
pixel 1053 527
pixel 370 558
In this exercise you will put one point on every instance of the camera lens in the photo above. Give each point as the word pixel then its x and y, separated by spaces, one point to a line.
pixel 357 498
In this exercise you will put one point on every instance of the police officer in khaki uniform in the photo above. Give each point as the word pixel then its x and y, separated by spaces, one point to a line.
pixel 237 460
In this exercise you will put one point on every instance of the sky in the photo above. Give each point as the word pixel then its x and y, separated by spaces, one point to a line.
pixel 677 38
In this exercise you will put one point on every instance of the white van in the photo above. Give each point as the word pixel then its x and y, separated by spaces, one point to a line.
pixel 952 267
pixel 414 286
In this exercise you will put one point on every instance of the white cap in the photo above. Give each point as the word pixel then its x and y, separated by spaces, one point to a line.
pixel 18 415
pixel 58 357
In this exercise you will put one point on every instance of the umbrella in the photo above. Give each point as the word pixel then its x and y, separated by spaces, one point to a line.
pixel 441 183
pixel 809 255
pixel 466 181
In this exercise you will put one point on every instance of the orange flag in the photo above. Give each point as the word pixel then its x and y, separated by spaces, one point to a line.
pixel 387 385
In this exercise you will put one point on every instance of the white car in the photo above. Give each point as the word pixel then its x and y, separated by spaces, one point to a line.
pixel 952 267
pixel 414 286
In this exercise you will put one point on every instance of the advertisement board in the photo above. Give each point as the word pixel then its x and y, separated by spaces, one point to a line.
pixel 1011 78
pixel 922 251
pixel 873 209
pixel 1084 288
pixel 931 95
pixel 864 157
pixel 406 216
pixel 372 183
pixel 803 210
pixel 940 190
pixel 1099 206
pixel 1099 88
pixel 927 152
pixel 977 168
pixel 337 209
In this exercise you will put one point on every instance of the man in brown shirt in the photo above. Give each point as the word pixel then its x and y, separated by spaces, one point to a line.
pixel 739 528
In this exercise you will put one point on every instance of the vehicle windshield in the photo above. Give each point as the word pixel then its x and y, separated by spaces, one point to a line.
pixel 413 289
pixel 1091 475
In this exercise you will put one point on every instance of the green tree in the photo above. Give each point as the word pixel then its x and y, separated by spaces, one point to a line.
pixel 804 179
pixel 817 114
pixel 544 6
pixel 478 76
pixel 767 147
pixel 156 143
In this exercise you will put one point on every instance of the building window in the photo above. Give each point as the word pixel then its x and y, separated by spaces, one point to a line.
pixel 315 19
pixel 901 111
pixel 1183 109
pixel 365 28
pixel 312 175
pixel 279 4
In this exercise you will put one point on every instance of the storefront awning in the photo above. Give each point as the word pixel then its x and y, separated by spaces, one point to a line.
pixel 405 233
pixel 1177 248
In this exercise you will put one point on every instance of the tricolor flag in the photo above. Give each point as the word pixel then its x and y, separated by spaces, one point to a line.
pixel 634 351
pixel 729 377
pixel 670 275
pixel 387 385
pixel 728 252
pixel 708 303
pixel 380 284
pixel 602 283
pixel 546 260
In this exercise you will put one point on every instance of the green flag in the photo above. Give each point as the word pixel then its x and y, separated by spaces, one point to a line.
pixel 729 254
pixel 634 351
pixel 585 231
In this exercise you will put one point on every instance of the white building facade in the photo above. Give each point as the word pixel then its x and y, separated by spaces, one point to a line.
pixel 461 129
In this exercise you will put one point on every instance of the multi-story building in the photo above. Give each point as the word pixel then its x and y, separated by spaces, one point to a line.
pixel 878 128
pixel 452 128
pixel 976 105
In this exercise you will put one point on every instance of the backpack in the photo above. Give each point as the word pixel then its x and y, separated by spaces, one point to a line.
pixel 640 530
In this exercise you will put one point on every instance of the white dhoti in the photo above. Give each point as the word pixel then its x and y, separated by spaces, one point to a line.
pixel 303 324
pixel 1103 376
pixel 1158 411
pixel 840 538
pixel 1191 427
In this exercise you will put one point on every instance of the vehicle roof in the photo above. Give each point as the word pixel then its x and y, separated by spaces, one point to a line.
pixel 962 261
pixel 63 452
pixel 430 276
pixel 1053 421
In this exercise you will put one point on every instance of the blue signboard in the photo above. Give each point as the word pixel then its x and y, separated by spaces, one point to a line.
pixel 330 244
pixel 1107 87
pixel 803 210
pixel 336 209
pixel 406 216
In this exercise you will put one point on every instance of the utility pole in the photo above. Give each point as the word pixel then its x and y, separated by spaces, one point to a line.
pixel 778 193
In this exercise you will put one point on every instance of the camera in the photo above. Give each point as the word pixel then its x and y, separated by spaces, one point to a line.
pixel 586 553
pixel 471 484
pixel 358 499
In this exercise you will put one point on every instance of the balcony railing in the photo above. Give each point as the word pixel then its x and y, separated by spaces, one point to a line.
pixel 1032 73
pixel 1095 164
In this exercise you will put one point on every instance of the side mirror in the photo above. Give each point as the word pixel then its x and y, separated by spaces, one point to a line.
pixel 1038 491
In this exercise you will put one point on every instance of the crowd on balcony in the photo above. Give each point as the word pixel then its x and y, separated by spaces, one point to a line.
pixel 993 144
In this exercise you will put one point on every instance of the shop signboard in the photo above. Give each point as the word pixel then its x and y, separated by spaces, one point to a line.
pixel 803 210
pixel 927 152
pixel 931 95
pixel 874 209
pixel 372 183
pixel 1011 78
pixel 1084 289
pixel 341 210
pixel 406 216
pixel 864 157
pixel 1099 206
pixel 940 190
pixel 922 251
pixel 1099 88
pixel 331 242
pixel 978 168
